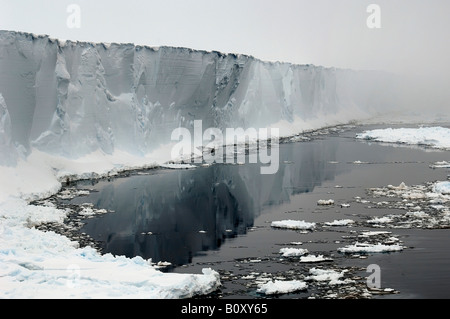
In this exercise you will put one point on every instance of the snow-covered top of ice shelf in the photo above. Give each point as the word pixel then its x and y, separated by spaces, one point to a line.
pixel 108 45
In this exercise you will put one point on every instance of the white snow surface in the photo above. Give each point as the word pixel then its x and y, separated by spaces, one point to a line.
pixel 293 224
pixel 332 276
pixel 373 233
pixel 380 220
pixel 282 287
pixel 442 188
pixel 442 164
pixel 435 137
pixel 325 202
pixel 293 252
pixel 35 264
pixel 370 248
pixel 314 259
pixel 341 222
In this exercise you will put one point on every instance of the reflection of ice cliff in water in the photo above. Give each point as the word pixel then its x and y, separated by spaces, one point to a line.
pixel 174 215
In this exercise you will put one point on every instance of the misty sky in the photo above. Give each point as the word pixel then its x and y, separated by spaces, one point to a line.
pixel 414 35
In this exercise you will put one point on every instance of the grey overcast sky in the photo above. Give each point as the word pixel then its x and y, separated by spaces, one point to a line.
pixel 414 35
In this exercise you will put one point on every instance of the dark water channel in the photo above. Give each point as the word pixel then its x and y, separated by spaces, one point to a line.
pixel 220 216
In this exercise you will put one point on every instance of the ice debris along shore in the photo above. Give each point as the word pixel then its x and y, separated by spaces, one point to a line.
pixel 36 264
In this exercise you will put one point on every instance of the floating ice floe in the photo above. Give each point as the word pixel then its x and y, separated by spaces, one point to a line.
pixel 178 166
pixel 314 259
pixel 417 214
pixel 325 202
pixel 88 211
pixel 342 222
pixel 282 287
pixel 293 224
pixel 360 162
pixel 72 193
pixel 442 164
pixel 384 237
pixel 333 277
pixel 442 188
pixel 293 252
pixel 370 248
pixel 435 137
pixel 383 291
pixel 254 261
pixel 380 220
pixel 374 233
pixel 162 264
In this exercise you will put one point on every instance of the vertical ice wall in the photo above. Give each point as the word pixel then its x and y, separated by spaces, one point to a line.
pixel 72 98
pixel 7 151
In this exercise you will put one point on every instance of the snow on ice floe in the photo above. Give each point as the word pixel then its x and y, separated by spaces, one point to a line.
pixel 359 162
pixel 296 243
pixel 366 248
pixel 442 188
pixel 88 210
pixel 342 222
pixel 380 220
pixel 374 233
pixel 442 164
pixel 435 137
pixel 314 259
pixel 282 287
pixel 32 260
pixel 293 224
pixel 325 202
pixel 293 252
pixel 332 277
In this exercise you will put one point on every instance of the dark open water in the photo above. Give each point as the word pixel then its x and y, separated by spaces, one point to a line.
pixel 219 216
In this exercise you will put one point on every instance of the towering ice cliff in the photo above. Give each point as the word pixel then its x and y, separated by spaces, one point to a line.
pixel 73 98
pixel 7 151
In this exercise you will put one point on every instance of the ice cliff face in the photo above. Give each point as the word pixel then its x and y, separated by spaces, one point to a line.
pixel 73 98
pixel 6 148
